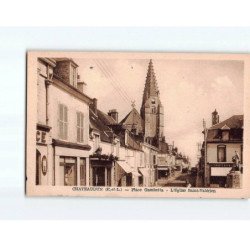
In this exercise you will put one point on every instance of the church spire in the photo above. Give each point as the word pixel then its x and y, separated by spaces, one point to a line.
pixel 152 112
pixel 151 88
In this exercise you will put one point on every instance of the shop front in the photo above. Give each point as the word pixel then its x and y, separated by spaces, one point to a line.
pixel 144 179
pixel 128 176
pixel 71 164
pixel 101 172
pixel 43 150
pixel 162 174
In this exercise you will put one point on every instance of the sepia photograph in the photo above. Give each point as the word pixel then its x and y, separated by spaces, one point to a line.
pixel 135 124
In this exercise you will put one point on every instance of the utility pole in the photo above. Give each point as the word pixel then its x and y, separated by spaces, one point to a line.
pixel 205 156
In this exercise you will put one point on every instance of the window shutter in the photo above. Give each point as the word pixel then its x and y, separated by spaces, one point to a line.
pixel 60 120
pixel 82 130
pixel 65 122
pixel 65 114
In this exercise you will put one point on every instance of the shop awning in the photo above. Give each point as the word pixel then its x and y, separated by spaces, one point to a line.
pixel 125 166
pixel 144 172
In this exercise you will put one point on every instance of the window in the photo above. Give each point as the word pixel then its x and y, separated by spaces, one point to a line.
pixel 225 135
pixel 154 159
pixel 221 153
pixel 63 122
pixel 79 126
pixel 83 171
pixel 70 171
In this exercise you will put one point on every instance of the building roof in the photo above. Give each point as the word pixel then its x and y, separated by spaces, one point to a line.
pixel 59 82
pixel 163 147
pixel 235 121
pixel 108 120
pixel 233 124
pixel 130 143
pixel 133 118
pixel 100 122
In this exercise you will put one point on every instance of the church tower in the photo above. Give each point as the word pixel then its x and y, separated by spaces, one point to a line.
pixel 152 111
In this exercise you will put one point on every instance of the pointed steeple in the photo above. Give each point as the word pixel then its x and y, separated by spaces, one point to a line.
pixel 151 88
pixel 152 112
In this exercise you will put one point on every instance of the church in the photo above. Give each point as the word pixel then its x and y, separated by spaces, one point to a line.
pixel 147 128
pixel 148 125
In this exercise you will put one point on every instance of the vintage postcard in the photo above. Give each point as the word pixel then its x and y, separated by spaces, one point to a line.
pixel 115 124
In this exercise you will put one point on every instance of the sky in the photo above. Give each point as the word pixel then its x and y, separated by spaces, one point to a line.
pixel 190 90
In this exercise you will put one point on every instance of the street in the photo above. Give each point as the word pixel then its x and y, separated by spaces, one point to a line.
pixel 181 180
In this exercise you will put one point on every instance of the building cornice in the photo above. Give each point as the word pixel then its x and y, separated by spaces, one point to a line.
pixel 71 90
pixel 49 61
pixel 225 142
pixel 65 144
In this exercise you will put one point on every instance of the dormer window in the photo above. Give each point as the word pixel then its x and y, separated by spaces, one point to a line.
pixel 225 135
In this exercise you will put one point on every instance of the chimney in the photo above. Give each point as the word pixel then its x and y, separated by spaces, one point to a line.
pixel 93 105
pixel 66 69
pixel 114 114
pixel 215 117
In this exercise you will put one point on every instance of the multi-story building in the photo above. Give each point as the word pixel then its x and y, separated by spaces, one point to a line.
pixel 147 127
pixel 115 156
pixel 62 155
pixel 78 144
pixel 223 140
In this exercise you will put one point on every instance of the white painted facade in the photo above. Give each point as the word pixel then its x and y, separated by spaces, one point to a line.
pixel 230 151
pixel 50 96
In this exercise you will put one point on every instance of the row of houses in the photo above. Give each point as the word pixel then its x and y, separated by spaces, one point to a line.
pixel 77 144
pixel 222 150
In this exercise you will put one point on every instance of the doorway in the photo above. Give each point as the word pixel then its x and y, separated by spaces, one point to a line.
pixel 98 176
pixel 38 168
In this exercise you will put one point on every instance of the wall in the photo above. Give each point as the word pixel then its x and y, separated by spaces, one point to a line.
pixel 41 93
pixel 74 105
pixel 230 151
